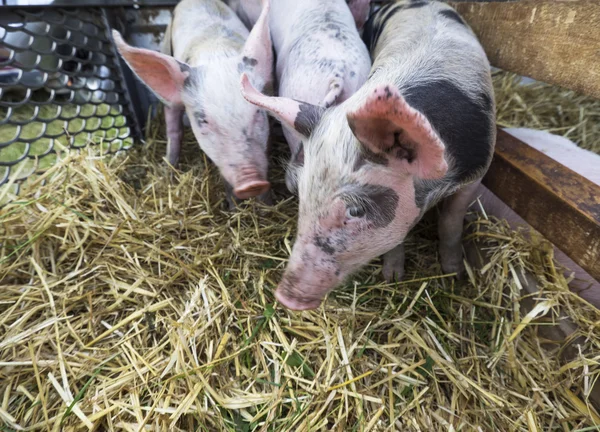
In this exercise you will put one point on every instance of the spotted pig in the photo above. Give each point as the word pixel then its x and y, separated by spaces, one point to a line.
pixel 321 59
pixel 421 130
pixel 205 50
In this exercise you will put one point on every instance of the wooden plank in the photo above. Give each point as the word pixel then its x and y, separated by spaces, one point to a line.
pixel 559 203
pixel 554 41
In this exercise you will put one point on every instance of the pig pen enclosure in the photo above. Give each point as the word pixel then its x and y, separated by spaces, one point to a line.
pixel 131 299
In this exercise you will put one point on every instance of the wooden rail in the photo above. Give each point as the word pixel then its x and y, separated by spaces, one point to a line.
pixel 554 41
pixel 557 42
pixel 559 203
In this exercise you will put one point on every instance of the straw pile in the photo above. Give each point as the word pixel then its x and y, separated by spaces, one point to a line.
pixel 132 301
pixel 542 106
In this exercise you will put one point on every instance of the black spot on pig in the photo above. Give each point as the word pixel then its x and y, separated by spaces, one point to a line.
pixel 248 61
pixel 325 64
pixel 416 4
pixel 186 70
pixel 308 117
pixel 324 244
pixel 200 117
pixel 336 31
pixel 465 125
pixel 247 64
pixel 298 157
pixel 367 155
pixel 388 93
pixel 377 22
pixel 450 14
pixel 487 101
pixel 378 202
pixel 183 67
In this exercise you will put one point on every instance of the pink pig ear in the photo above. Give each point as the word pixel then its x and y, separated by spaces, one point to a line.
pixel 387 125
pixel 257 55
pixel 164 75
pixel 360 11
pixel 300 116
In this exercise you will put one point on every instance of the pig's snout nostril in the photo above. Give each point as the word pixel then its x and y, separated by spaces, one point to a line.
pixel 294 303
pixel 251 189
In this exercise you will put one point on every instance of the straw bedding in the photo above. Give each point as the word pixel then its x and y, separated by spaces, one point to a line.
pixel 131 300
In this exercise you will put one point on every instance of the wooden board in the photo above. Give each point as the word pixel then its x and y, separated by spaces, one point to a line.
pixel 559 203
pixel 554 41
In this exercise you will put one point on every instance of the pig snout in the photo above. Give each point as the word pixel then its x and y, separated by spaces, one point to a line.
pixel 286 295
pixel 248 182
pixel 307 279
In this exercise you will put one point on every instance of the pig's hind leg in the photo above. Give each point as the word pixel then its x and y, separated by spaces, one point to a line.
pixel 174 122
pixel 450 228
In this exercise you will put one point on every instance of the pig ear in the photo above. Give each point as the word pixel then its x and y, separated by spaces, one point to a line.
pixel 386 125
pixel 300 116
pixel 257 55
pixel 360 11
pixel 164 75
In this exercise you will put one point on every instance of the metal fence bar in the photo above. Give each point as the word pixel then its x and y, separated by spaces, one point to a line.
pixel 61 85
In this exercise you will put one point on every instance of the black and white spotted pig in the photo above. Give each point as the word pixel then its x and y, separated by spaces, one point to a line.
pixel 421 130
pixel 321 59
pixel 205 50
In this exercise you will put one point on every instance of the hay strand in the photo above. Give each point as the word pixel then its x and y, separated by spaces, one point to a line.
pixel 130 300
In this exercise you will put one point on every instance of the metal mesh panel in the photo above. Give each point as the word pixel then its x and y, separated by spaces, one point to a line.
pixel 61 85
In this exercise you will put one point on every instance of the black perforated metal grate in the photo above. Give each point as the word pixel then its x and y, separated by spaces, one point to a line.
pixel 61 85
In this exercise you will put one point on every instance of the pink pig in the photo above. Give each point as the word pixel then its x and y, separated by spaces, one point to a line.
pixel 205 50
pixel 420 130
pixel 321 59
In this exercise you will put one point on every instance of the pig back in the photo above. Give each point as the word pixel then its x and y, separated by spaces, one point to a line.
pixel 204 29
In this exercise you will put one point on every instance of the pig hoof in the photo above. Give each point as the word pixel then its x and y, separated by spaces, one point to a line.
pixel 457 267
pixel 231 203
pixel 393 272
pixel 266 198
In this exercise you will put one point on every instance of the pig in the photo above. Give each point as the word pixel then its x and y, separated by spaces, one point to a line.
pixel 420 131
pixel 205 50
pixel 567 153
pixel 321 59
pixel 360 11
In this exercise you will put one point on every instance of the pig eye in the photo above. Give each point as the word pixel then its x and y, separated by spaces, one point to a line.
pixel 355 212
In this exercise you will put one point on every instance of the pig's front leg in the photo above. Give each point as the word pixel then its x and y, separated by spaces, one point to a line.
pixel 450 228
pixel 393 264
pixel 174 121
pixel 230 199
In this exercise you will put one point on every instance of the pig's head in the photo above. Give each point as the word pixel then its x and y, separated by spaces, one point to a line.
pixel 357 186
pixel 232 132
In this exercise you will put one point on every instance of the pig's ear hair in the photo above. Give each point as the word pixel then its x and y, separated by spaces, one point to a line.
pixel 387 126
pixel 164 75
pixel 360 11
pixel 300 116
pixel 257 55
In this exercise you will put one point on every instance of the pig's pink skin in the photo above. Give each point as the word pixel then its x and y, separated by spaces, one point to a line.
pixel 206 49
pixel 321 59
pixel 330 246
pixel 420 130
pixel 360 11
